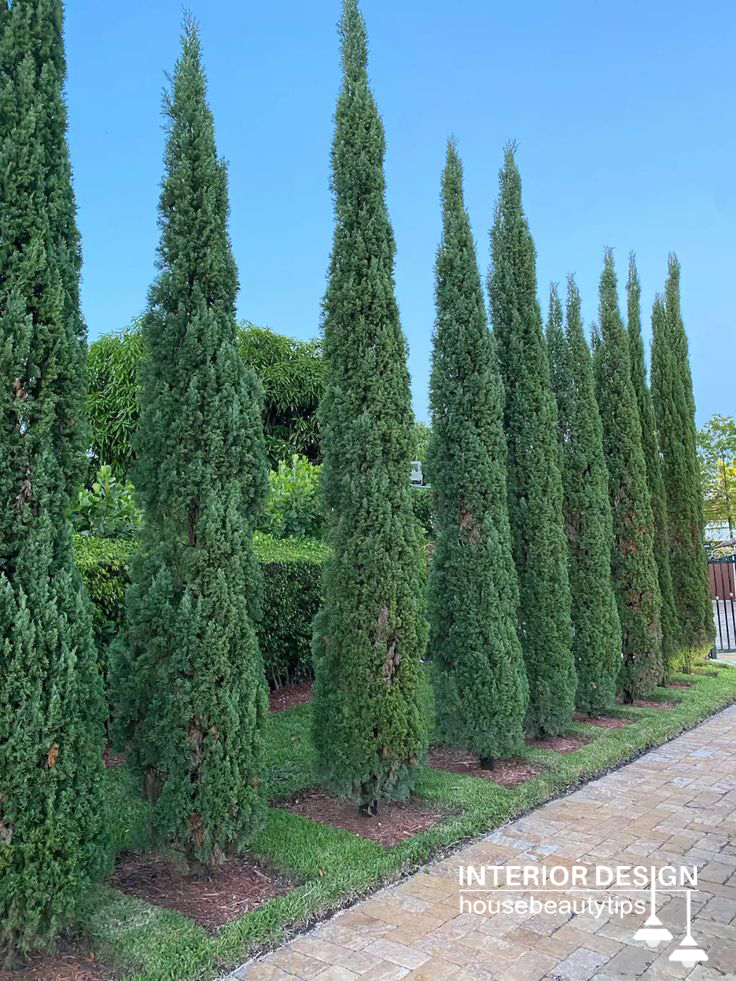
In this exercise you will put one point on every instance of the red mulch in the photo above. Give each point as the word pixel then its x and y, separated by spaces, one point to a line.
pixel 602 721
pixel 396 821
pixel 507 773
pixel 234 888
pixel 290 695
pixel 559 744
pixel 59 966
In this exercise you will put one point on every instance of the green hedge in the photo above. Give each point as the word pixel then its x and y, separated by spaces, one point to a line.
pixel 291 594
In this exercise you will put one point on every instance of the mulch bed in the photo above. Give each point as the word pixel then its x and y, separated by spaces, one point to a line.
pixel 112 760
pixel 234 888
pixel 559 744
pixel 649 703
pixel 396 821
pixel 507 773
pixel 602 721
pixel 679 684
pixel 61 965
pixel 290 695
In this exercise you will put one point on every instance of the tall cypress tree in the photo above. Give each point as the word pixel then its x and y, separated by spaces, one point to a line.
pixel 652 459
pixel 51 710
pixel 199 691
pixel 633 566
pixel 596 631
pixel 479 676
pixel 674 407
pixel 534 479
pixel 369 636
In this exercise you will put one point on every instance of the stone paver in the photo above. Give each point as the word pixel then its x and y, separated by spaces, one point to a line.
pixel 674 806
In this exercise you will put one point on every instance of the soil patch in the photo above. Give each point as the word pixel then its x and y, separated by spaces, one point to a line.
pixel 60 965
pixel 112 760
pixel 679 684
pixel 602 721
pixel 396 820
pixel 649 703
pixel 234 888
pixel 290 695
pixel 559 744
pixel 507 773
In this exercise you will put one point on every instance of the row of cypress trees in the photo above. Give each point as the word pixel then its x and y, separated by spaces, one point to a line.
pixel 519 486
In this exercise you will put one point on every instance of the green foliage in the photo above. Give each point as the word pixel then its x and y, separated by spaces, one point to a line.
pixel 423 507
pixel 717 452
pixel 292 581
pixel 478 671
pixel 51 710
pixel 292 375
pixel 652 459
pixel 596 631
pixel 113 376
pixel 534 478
pixel 674 408
pixel 370 636
pixel 104 566
pixel 294 505
pixel 633 566
pixel 107 509
pixel 196 696
pixel 422 435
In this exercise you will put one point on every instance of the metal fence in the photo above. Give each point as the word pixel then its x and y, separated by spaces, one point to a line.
pixel 722 574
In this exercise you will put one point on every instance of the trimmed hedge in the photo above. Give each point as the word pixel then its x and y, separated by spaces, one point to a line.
pixel 292 574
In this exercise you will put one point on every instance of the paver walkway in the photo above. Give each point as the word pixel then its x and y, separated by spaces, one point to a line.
pixel 675 806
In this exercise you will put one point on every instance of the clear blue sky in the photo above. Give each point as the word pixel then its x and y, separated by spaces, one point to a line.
pixel 624 113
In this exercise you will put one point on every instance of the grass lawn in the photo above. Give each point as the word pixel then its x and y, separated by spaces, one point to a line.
pixel 334 867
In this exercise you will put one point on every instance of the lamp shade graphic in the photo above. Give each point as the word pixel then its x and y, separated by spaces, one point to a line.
pixel 653 932
pixel 688 953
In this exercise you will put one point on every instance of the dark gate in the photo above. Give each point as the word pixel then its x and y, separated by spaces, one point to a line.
pixel 722 588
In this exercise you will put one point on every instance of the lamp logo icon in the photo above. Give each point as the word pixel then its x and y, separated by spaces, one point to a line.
pixel 653 933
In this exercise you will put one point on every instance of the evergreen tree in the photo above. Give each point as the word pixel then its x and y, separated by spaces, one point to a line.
pixel 199 696
pixel 534 478
pixel 652 459
pixel 633 565
pixel 674 408
pixel 478 670
pixel 370 635
pixel 51 707
pixel 596 631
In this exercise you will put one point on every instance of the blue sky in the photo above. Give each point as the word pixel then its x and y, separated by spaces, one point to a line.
pixel 624 114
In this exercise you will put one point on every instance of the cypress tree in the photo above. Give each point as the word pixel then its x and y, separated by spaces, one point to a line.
pixel 370 635
pixel 197 677
pixel 478 670
pixel 596 631
pixel 674 408
pixel 652 459
pixel 534 478
pixel 51 707
pixel 633 566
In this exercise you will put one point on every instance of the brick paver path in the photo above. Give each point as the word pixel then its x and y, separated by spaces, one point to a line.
pixel 674 806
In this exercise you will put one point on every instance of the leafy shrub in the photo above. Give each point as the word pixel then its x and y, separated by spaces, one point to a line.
pixel 113 368
pixel 421 498
pixel 293 507
pixel 291 596
pixel 107 509
pixel 290 371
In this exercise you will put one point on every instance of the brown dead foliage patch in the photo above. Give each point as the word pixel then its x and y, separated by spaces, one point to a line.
pixel 396 820
pixel 507 773
pixel 237 886
pixel 602 721
pixel 289 696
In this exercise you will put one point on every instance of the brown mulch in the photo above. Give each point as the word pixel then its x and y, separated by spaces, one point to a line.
pixel 112 760
pixel 649 703
pixel 234 888
pixel 602 721
pixel 396 821
pixel 61 965
pixel 559 744
pixel 679 684
pixel 290 695
pixel 507 773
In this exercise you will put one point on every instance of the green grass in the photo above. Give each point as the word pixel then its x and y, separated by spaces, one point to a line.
pixel 333 867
